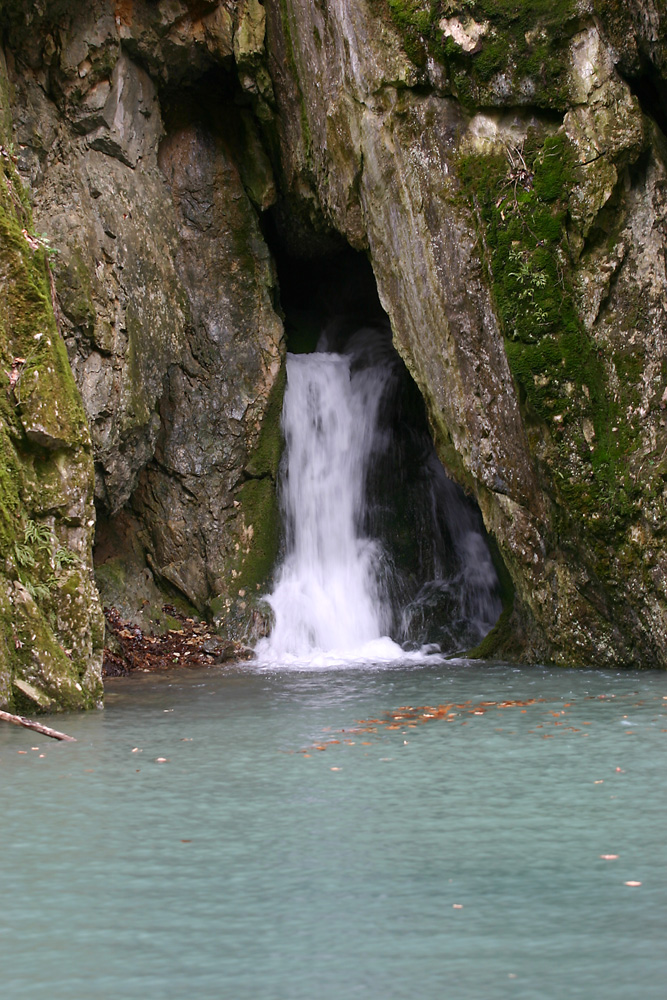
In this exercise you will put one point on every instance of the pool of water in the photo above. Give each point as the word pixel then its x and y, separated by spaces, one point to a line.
pixel 455 853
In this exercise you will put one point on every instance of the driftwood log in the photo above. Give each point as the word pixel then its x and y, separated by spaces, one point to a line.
pixel 20 720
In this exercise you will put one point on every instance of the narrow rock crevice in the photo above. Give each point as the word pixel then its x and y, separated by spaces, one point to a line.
pixel 650 89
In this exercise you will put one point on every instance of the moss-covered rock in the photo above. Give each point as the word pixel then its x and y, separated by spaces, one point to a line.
pixel 150 182
pixel 490 53
pixel 50 619
pixel 519 260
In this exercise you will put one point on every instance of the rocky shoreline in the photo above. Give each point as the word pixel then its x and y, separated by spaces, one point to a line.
pixel 193 643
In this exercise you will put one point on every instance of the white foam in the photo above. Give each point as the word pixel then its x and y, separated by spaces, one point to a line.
pixel 377 652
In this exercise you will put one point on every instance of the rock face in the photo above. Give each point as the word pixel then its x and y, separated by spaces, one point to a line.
pixel 143 166
pixel 502 166
pixel 509 187
pixel 51 625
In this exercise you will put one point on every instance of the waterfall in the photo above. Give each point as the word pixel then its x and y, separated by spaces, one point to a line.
pixel 348 586
pixel 327 594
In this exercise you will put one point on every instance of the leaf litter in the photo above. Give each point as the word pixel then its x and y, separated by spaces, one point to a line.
pixel 194 644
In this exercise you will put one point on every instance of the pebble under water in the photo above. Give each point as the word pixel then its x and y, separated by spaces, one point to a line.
pixel 255 834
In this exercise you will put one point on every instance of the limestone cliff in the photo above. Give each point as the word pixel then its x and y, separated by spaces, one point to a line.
pixel 509 186
pixel 51 625
pixel 148 175
pixel 502 165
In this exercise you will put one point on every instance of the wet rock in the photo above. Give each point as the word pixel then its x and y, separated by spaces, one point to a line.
pixel 50 619
pixel 163 277
pixel 356 120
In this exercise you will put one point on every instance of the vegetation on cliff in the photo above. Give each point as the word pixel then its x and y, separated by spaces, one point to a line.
pixel 521 200
pixel 50 621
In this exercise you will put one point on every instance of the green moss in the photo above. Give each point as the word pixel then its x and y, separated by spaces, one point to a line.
pixel 75 293
pixel 296 77
pixel 629 367
pixel 412 13
pixel 266 456
pixel 46 394
pixel 169 622
pixel 491 60
pixel 260 510
pixel 522 40
pixel 45 465
pixel 257 496
pixel 499 638
pixel 521 203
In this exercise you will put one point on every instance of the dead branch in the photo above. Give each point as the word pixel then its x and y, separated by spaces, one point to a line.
pixel 21 720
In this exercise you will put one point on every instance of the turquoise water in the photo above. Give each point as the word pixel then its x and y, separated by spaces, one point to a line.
pixel 457 858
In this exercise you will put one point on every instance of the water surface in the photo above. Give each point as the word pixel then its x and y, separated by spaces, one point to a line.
pixel 458 859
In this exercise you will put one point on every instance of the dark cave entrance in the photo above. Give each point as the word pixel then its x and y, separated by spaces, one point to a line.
pixel 437 574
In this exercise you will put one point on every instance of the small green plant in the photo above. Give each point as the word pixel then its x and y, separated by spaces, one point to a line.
pixel 38 591
pixel 532 281
pixel 36 538
pixel 64 557
pixel 38 535
pixel 24 555
pixel 46 245
pixel 8 152
pixel 40 556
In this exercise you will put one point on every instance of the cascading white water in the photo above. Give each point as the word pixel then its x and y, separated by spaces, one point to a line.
pixel 326 596
pixel 343 586
pixel 463 596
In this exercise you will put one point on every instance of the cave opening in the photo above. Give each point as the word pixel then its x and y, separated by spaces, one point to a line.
pixel 651 92
pixel 413 561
